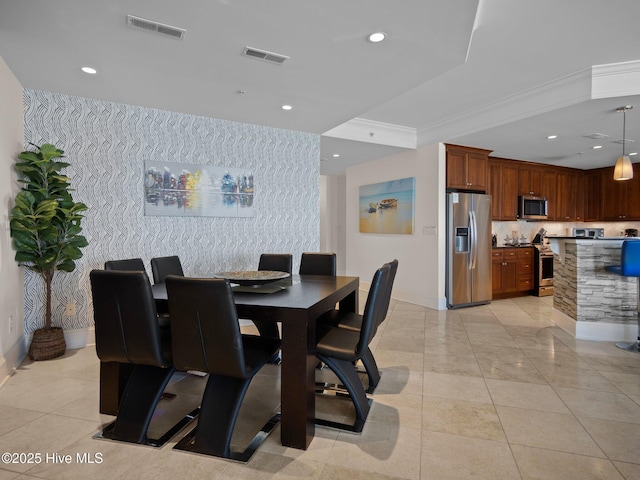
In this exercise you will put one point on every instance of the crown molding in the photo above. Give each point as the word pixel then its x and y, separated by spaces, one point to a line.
pixel 562 92
pixel 370 131
pixel 615 80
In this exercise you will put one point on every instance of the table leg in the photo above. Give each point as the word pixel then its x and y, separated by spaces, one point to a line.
pixel 350 302
pixel 297 384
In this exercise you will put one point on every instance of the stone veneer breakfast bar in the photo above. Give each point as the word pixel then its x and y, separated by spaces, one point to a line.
pixel 589 302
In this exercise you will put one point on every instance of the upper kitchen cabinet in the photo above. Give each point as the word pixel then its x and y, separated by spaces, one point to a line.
pixel 568 204
pixel 530 180
pixel 502 186
pixel 592 191
pixel 467 168
pixel 539 181
pixel 549 190
pixel 620 199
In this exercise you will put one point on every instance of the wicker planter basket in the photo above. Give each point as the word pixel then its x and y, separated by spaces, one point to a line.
pixel 47 344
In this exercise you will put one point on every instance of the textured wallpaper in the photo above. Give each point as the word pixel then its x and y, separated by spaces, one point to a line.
pixel 107 145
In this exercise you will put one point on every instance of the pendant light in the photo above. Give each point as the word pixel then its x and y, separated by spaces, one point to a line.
pixel 623 169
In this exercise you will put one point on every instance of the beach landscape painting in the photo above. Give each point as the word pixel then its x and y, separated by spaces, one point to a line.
pixel 387 207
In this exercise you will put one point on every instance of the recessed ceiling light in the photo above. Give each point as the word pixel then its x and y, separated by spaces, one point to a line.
pixel 287 107
pixel 89 70
pixel 377 37
pixel 596 147
pixel 633 153
pixel 551 137
pixel 336 155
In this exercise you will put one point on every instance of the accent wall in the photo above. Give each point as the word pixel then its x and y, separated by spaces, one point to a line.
pixel 107 145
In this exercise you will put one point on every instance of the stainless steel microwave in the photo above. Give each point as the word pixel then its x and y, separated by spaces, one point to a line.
pixel 532 208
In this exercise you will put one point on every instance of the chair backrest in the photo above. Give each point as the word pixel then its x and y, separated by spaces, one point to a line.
pixel 316 263
pixel 393 264
pixel 630 258
pixel 205 332
pixel 163 266
pixel 278 262
pixel 131 264
pixel 373 307
pixel 126 323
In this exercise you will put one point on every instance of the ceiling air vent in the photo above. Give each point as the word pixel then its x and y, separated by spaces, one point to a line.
pixel 152 26
pixel 596 136
pixel 264 55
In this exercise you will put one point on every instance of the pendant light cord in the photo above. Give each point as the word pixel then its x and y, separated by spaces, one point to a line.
pixel 624 128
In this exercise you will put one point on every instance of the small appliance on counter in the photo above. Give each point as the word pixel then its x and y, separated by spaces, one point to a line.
pixel 631 232
pixel 587 232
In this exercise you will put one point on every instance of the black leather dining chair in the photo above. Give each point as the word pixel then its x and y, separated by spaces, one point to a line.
pixel 127 331
pixel 278 262
pixel 206 337
pixel 341 348
pixel 318 263
pixel 163 266
pixel 353 321
pixel 130 264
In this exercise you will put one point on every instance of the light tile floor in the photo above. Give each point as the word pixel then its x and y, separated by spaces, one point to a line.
pixel 489 392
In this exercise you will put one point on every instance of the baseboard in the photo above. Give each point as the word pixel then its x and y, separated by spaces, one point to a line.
pixel 12 360
pixel 603 331
pixel 411 297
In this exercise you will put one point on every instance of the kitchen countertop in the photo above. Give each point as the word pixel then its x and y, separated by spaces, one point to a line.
pixel 515 246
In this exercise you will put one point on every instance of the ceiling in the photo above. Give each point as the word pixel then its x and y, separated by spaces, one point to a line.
pixel 495 74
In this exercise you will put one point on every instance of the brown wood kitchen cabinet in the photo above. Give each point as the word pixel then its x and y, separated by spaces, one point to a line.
pixel 467 168
pixel 568 205
pixel 592 188
pixel 620 199
pixel 502 186
pixel 511 271
pixel 530 180
pixel 525 268
pixel 549 190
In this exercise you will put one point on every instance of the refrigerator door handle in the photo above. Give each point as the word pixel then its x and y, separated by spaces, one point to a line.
pixel 473 231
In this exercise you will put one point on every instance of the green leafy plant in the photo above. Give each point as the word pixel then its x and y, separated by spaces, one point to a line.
pixel 45 221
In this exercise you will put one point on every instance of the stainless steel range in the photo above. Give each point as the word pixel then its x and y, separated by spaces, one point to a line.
pixel 543 272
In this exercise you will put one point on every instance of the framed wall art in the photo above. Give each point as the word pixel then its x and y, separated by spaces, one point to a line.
pixel 182 189
pixel 387 207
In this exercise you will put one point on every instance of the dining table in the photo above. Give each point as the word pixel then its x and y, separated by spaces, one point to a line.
pixel 295 303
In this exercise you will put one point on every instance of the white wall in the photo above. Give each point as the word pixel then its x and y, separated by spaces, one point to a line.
pixel 12 349
pixel 421 271
pixel 333 219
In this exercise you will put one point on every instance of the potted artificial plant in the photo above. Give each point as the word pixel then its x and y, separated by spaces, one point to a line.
pixel 45 227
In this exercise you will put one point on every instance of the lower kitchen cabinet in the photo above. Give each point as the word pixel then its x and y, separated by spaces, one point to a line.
pixel 511 271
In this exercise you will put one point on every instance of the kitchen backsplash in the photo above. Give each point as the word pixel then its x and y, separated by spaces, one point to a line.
pixel 529 229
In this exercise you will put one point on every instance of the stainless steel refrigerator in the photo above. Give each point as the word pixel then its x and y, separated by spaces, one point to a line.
pixel 468 275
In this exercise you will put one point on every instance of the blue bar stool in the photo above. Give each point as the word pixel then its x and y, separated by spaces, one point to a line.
pixel 629 267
